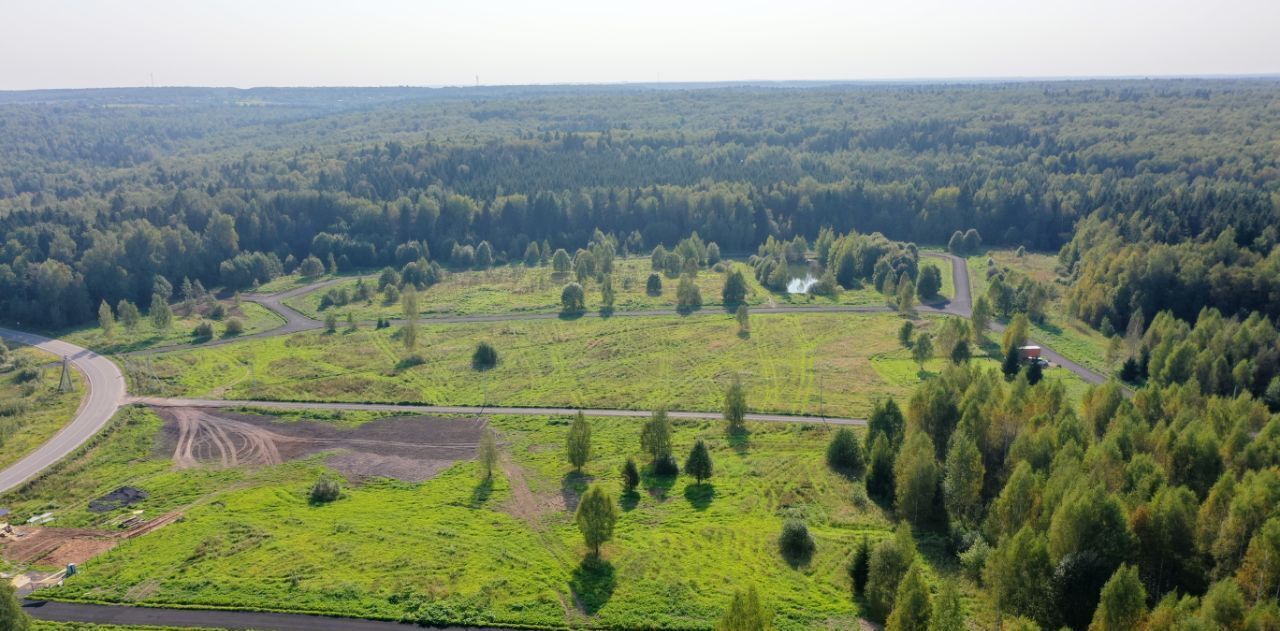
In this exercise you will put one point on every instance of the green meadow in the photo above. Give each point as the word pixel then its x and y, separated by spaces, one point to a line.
pixel 790 363
pixel 519 289
pixel 454 549
pixel 32 409
pixel 254 317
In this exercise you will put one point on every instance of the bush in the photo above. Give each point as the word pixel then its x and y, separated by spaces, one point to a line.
pixel 665 466
pixel 218 311
pixel 973 559
pixel 795 542
pixel 653 286
pixel 485 357
pixel 234 327
pixel 572 298
pixel 203 331
pixel 844 454
pixel 325 490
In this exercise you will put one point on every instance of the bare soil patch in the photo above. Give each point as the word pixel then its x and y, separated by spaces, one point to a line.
pixel 409 448
pixel 60 546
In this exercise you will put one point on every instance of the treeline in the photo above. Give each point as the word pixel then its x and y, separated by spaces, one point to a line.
pixel 230 196
pixel 1156 512
pixel 1119 274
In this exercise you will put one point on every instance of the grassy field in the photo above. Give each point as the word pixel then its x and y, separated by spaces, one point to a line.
pixel 31 408
pixel 1065 334
pixel 254 317
pixel 790 363
pixel 455 550
pixel 516 289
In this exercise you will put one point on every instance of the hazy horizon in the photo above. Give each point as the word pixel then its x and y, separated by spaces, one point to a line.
pixel 241 43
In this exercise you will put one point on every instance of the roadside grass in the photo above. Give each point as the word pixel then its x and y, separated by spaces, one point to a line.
pixel 453 550
pixel 31 408
pixel 790 363
pixel 519 289
pixel 1069 336
pixel 254 317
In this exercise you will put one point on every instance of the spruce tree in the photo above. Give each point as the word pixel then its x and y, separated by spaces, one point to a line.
pixel 630 476
pixel 698 464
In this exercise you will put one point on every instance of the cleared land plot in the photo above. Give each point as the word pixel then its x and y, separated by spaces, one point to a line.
pixel 833 364
pixel 520 289
pixel 1069 336
pixel 254 317
pixel 405 448
pixel 32 409
pixel 454 549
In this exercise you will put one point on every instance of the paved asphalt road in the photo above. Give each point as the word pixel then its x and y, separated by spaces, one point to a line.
pixel 464 409
pixel 106 391
pixel 155 616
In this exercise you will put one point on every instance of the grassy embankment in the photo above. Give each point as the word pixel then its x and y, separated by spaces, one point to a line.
pixel 32 409
pixel 836 364
pixel 1067 335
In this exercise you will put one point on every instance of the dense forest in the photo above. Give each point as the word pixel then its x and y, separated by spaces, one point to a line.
pixel 101 192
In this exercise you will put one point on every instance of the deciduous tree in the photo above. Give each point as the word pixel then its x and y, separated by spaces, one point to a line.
pixel 578 443
pixel 596 517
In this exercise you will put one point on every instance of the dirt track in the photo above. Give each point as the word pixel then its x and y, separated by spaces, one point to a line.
pixel 411 448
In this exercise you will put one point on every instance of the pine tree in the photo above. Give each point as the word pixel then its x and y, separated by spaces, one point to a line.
pixel 735 406
pixel 859 566
pixel 911 606
pixel 745 613
pixel 630 476
pixel 596 517
pixel 698 464
pixel 1011 365
pixel 578 447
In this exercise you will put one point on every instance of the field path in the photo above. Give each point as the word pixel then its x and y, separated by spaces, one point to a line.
pixel 474 410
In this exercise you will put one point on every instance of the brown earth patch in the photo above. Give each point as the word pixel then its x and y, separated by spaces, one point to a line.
pixel 410 448
pixel 60 546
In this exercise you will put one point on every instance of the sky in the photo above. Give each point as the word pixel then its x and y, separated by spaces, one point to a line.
pixel 246 43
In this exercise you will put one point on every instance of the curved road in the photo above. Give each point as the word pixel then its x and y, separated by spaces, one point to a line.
pixel 106 391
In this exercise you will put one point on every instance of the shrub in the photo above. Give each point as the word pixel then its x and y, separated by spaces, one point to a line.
pixel 653 286
pixel 203 331
pixel 325 490
pixel 795 542
pixel 485 357
pixel 665 465
pixel 234 327
pixel 844 454
pixel 218 311
pixel 572 298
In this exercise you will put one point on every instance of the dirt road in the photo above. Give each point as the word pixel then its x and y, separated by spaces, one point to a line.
pixel 462 409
